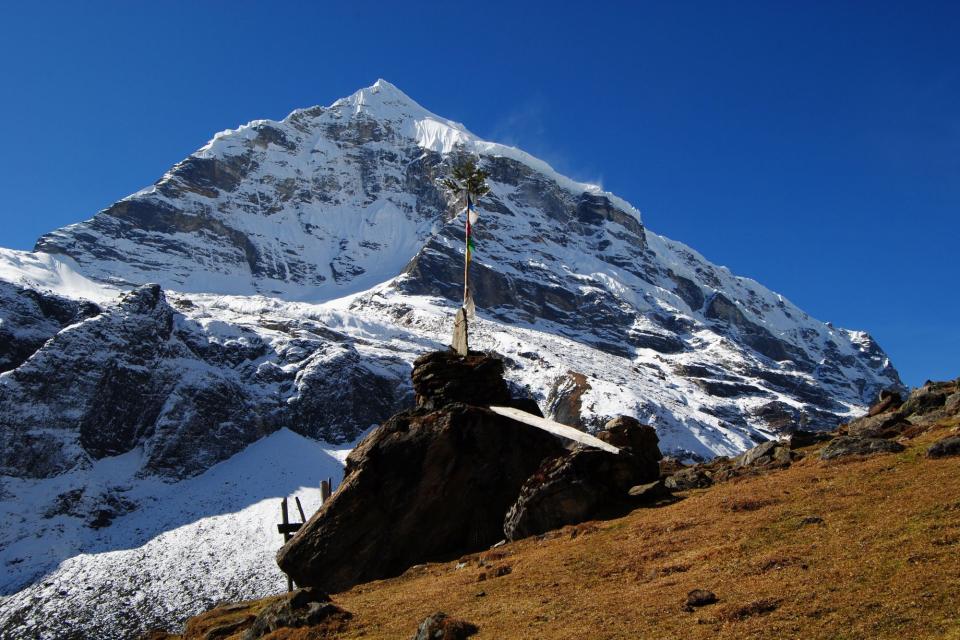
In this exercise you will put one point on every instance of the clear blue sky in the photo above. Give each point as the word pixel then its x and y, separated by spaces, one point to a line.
pixel 812 146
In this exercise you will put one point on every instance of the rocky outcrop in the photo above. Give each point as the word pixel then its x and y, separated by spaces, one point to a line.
pixel 858 446
pixel 141 374
pixel 302 608
pixel 588 483
pixel 440 626
pixel 29 318
pixel 428 484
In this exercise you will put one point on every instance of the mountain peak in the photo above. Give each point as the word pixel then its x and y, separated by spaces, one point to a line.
pixel 383 99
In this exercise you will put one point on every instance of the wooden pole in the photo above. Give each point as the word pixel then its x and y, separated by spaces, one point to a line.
pixel 285 518
pixel 466 250
pixel 303 518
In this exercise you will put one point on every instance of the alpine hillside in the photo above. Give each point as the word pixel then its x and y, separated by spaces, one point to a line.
pixel 268 294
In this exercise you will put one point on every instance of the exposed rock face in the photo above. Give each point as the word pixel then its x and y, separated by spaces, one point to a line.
pixel 142 374
pixel 29 318
pixel 586 483
pixel 428 484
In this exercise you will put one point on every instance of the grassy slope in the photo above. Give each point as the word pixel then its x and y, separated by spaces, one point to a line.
pixel 883 563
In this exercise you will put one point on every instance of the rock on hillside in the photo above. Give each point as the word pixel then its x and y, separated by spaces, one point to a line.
pixel 430 483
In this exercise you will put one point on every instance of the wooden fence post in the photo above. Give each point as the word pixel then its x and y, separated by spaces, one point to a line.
pixel 286 534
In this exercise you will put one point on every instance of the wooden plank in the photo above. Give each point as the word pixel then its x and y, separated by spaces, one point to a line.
pixel 289 528
pixel 460 341
pixel 283 528
pixel 303 518
pixel 324 491
pixel 555 428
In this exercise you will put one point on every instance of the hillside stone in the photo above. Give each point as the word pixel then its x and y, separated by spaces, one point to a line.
pixel 772 452
pixel 440 626
pixel 882 425
pixel 302 608
pixel 586 483
pixel 686 479
pixel 428 484
pixel 849 446
pixel 949 446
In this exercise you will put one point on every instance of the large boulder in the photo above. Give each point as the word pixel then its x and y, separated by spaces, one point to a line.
pixel 888 400
pixel 587 483
pixel 429 484
pixel 882 425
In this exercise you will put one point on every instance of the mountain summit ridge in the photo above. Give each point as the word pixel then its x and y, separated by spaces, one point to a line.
pixel 343 201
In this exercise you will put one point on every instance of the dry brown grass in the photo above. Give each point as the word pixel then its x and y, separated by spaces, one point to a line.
pixel 864 548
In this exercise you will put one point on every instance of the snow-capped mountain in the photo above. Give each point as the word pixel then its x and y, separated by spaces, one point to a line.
pixel 286 274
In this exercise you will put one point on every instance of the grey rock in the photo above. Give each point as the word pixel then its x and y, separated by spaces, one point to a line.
pixel 949 446
pixel 849 446
pixel 686 479
pixel 649 492
pixel 772 452
pixel 440 626
pixel 586 483
pixel 301 608
pixel 881 425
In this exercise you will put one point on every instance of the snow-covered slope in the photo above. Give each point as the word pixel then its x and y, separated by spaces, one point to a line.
pixel 184 547
pixel 299 267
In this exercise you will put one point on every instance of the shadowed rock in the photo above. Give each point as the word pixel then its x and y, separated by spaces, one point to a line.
pixel 850 446
pixel 443 377
pixel 587 483
pixel 949 446
pixel 429 484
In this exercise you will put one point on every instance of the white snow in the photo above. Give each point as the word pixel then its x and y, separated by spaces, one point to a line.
pixel 189 544
pixel 56 273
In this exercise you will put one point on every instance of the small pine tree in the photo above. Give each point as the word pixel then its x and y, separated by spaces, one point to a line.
pixel 467 179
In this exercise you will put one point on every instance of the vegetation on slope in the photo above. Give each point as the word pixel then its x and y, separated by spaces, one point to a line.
pixel 841 549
